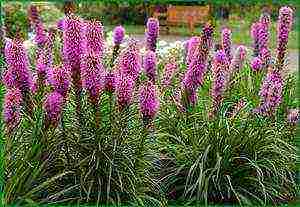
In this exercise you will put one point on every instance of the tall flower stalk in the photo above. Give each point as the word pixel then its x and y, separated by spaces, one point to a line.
pixel 124 91
pixel 152 32
pixel 169 72
pixel 59 78
pixel 53 105
pixel 226 43
pixel 150 65
pixel 192 46
pixel 72 51
pixel 284 27
pixel 118 37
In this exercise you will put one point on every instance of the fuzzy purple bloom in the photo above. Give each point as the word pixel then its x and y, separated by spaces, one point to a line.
pixel 220 69
pixel 284 26
pixel 150 65
pixel 192 46
pixel 110 82
pixel 12 107
pixel 33 15
pixel 149 103
pixel 226 42
pixel 255 36
pixel 293 116
pixel 238 59
pixel 270 93
pixel 118 35
pixel 169 71
pixel 40 34
pixel 152 32
pixel 256 64
pixel 94 37
pixel 265 56
pixel 53 105
pixel 130 61
pixel 59 78
pixel 124 90
pixel 93 76
pixel 18 74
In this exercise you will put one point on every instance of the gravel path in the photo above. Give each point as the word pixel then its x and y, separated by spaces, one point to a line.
pixel 292 59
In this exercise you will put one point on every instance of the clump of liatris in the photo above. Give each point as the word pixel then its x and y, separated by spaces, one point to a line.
pixel 129 62
pixel 293 116
pixel 152 32
pixel 226 43
pixel 53 105
pixel 283 28
pixel 124 90
pixel 192 45
pixel 270 93
pixel 238 59
pixel 110 82
pixel 169 71
pixel 92 74
pixel 256 64
pixel 94 37
pixel 59 78
pixel 150 65
pixel 12 108
pixel 220 75
pixel 149 103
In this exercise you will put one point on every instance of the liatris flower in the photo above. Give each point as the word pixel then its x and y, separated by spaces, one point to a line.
pixel 35 85
pixel 293 116
pixel 150 65
pixel 12 108
pixel 33 15
pixel 255 36
pixel 265 56
pixel 110 82
pixel 271 93
pixel 220 71
pixel 149 103
pixel 18 74
pixel 226 43
pixel 283 28
pixel 49 45
pixel 41 68
pixel 130 61
pixel 94 37
pixel 60 24
pixel 40 34
pixel 59 78
pixel 93 76
pixel 124 90
pixel 118 35
pixel 192 45
pixel 265 19
pixel 152 33
pixel 238 59
pixel 53 105
pixel 169 72
pixel 256 64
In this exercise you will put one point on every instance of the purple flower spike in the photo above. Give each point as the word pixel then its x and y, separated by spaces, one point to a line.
pixel 59 78
pixel 256 64
pixel 124 90
pixel 130 61
pixel 226 42
pixel 18 74
pixel 40 34
pixel 73 44
pixel 220 73
pixel 12 108
pixel 255 36
pixel 283 28
pixel 94 37
pixel 93 76
pixel 118 35
pixel 150 65
pixel 270 93
pixel 193 44
pixel 110 82
pixel 149 103
pixel 265 56
pixel 152 33
pixel 293 116
pixel 53 105
pixel 238 59
pixel 170 69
